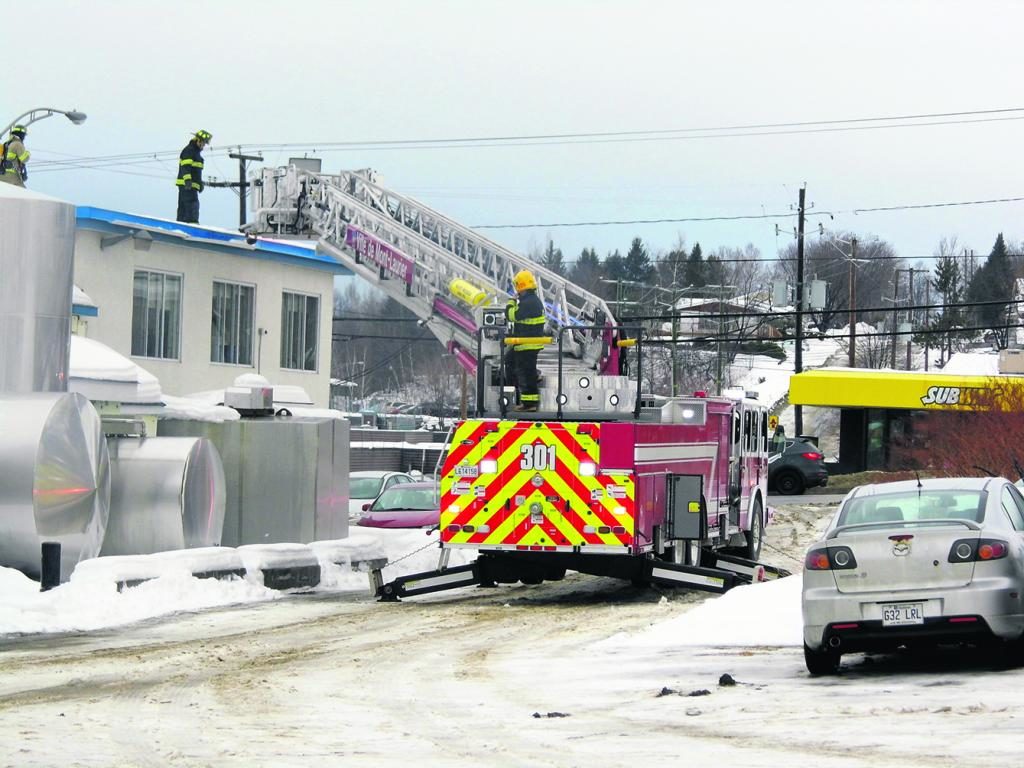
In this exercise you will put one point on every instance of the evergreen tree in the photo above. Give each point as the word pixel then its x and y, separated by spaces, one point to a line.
pixel 614 271
pixel 991 289
pixel 695 268
pixel 586 272
pixel 552 259
pixel 637 265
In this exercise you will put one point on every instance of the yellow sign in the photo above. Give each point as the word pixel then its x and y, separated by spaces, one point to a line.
pixel 858 388
pixel 773 422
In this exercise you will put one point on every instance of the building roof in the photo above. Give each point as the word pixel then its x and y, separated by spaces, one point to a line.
pixel 210 238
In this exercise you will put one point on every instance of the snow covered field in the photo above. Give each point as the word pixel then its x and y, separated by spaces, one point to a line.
pixel 586 671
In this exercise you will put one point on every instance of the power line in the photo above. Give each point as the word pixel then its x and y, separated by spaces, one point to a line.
pixel 721 131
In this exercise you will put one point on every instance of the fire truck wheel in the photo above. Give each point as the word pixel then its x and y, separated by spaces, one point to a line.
pixel 756 533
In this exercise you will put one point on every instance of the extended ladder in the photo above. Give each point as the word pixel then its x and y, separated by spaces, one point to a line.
pixel 440 270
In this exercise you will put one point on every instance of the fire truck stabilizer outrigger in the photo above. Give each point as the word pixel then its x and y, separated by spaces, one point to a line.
pixel 670 492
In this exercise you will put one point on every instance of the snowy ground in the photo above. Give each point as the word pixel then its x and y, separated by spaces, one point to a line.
pixel 581 672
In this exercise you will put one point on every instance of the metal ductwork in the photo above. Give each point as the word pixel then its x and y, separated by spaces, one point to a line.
pixel 37 246
pixel 55 483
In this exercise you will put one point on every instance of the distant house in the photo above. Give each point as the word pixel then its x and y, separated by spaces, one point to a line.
pixel 703 317
pixel 198 306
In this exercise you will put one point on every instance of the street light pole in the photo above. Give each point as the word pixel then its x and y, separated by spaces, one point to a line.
pixel 27 118
pixel 853 303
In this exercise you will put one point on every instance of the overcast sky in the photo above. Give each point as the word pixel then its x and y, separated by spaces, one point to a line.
pixel 261 73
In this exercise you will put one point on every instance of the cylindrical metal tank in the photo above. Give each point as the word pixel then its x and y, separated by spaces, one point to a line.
pixel 37 245
pixel 166 493
pixel 55 479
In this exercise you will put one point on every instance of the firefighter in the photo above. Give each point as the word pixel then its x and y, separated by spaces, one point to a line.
pixel 190 177
pixel 14 158
pixel 526 316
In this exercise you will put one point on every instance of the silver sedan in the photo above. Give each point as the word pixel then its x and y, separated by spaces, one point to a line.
pixel 916 562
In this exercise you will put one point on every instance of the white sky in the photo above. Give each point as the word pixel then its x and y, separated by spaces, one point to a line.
pixel 257 73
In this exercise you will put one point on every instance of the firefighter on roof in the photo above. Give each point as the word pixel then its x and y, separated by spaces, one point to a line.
pixel 14 158
pixel 526 316
pixel 190 177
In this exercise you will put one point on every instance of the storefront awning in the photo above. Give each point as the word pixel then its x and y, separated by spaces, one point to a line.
pixel 865 388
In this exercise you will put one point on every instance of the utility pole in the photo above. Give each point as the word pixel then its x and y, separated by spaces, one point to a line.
pixel 853 303
pixel 798 360
pixel 895 315
pixel 927 321
pixel 242 185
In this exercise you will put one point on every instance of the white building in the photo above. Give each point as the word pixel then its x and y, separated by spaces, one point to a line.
pixel 198 306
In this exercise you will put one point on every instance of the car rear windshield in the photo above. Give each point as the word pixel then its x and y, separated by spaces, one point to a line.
pixel 912 506
pixel 364 487
pixel 406 498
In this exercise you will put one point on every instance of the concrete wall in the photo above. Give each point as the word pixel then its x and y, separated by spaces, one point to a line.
pixel 107 275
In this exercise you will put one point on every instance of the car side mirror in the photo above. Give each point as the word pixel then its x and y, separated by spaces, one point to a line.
pixel 366 507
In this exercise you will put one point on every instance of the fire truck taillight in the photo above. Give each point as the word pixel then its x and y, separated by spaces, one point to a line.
pixel 588 469
pixel 488 466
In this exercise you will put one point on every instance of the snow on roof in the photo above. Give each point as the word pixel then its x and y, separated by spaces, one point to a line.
pixel 296 252
pixel 973 364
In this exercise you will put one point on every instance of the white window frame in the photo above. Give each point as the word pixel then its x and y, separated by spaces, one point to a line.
pixel 297 334
pixel 167 332
pixel 223 347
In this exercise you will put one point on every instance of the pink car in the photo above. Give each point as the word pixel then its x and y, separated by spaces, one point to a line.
pixel 409 505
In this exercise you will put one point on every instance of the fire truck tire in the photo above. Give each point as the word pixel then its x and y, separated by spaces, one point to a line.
pixel 755 536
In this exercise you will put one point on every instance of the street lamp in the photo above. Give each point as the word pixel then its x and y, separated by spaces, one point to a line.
pixel 27 118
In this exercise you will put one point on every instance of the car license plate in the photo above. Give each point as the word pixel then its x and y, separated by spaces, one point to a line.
pixel 902 614
pixel 467 470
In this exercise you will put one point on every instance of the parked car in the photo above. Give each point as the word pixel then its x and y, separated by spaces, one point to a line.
pixel 798 466
pixel 367 485
pixel 409 505
pixel 918 562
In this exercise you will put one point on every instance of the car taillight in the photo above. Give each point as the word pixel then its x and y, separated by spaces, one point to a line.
pixel 972 550
pixel 830 559
pixel 813 456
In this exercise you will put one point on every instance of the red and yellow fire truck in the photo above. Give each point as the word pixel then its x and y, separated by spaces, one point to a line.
pixel 671 492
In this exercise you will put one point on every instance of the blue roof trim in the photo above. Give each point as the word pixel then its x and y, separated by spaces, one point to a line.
pixel 84 310
pixel 104 220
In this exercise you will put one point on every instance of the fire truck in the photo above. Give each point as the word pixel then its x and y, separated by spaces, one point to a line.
pixel 601 479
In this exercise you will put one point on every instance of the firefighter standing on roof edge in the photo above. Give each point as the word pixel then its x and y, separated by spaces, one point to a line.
pixel 526 316
pixel 190 177
pixel 15 156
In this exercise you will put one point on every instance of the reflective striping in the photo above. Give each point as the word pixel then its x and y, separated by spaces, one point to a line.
pixel 444 579
pixel 686 578
pixel 676 451
pixel 570 509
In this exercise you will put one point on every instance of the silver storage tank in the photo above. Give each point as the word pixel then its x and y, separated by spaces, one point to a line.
pixel 55 483
pixel 166 493
pixel 287 477
pixel 37 246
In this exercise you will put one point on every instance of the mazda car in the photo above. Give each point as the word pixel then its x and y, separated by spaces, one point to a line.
pixel 917 563
pixel 409 505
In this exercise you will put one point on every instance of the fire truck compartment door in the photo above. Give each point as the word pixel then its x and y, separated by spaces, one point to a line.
pixel 683 520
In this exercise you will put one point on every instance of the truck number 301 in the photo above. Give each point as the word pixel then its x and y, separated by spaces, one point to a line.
pixel 537 458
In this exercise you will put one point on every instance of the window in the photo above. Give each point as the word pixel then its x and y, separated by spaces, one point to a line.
pixel 156 315
pixel 1013 506
pixel 231 324
pixel 300 322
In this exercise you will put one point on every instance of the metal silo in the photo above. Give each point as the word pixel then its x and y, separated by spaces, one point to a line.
pixel 55 479
pixel 37 244
pixel 167 493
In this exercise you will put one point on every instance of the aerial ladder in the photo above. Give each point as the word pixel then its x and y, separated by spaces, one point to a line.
pixel 456 281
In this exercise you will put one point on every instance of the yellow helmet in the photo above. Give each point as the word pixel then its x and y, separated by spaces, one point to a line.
pixel 524 281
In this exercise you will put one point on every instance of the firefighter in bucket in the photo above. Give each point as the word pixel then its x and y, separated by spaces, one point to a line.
pixel 525 315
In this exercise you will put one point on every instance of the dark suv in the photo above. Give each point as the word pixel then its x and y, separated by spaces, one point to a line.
pixel 800 465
